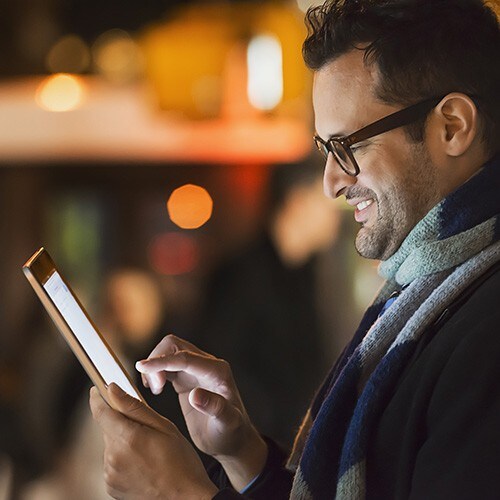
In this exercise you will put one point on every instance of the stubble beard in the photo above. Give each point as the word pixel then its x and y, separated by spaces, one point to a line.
pixel 400 208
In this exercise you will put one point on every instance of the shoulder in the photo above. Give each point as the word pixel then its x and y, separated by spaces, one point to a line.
pixel 462 351
pixel 467 347
pixel 477 317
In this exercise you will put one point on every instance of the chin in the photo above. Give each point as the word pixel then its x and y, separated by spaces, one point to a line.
pixel 376 245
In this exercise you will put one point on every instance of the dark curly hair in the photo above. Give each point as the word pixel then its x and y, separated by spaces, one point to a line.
pixel 423 48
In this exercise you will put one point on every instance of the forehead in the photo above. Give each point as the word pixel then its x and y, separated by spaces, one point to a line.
pixel 343 95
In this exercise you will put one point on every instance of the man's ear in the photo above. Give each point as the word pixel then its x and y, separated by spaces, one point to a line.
pixel 457 120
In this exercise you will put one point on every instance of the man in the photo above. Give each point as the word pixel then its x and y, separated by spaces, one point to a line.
pixel 407 113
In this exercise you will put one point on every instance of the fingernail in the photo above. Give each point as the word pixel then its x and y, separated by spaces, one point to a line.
pixel 201 399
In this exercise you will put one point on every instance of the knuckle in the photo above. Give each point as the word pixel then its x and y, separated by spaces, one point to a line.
pixel 112 481
pixel 98 411
pixel 182 356
pixel 113 493
pixel 108 476
pixel 112 462
pixel 171 339
pixel 224 369
pixel 166 346
pixel 133 406
pixel 131 438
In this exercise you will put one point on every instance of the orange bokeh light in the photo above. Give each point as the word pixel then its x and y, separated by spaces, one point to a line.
pixel 190 206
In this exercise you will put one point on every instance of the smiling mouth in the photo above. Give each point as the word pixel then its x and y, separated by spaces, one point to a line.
pixel 362 211
pixel 364 204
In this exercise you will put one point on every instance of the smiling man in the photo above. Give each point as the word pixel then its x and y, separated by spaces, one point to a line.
pixel 407 117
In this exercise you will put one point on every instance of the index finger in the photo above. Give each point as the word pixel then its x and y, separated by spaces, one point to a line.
pixel 168 345
pixel 171 344
pixel 211 372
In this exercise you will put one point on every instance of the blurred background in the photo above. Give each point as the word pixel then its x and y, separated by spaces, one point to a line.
pixel 161 152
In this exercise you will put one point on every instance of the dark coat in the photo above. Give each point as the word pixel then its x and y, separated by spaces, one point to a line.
pixel 439 435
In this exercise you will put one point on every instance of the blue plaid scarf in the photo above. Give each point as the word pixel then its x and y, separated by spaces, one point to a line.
pixel 453 245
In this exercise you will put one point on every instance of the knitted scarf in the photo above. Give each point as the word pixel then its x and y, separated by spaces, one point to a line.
pixel 451 247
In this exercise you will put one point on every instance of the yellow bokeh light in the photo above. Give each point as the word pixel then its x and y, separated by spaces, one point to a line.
pixel 60 93
pixel 70 54
pixel 190 206
pixel 117 56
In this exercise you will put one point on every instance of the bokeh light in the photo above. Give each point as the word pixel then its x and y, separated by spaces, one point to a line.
pixel 61 92
pixel 265 72
pixel 190 206
pixel 117 56
pixel 173 254
pixel 70 54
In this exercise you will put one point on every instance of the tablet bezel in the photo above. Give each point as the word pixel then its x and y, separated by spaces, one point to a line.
pixel 38 269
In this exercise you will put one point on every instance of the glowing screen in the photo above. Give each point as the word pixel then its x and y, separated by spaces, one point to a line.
pixel 86 334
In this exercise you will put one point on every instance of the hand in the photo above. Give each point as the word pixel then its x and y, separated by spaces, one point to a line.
pixel 145 456
pixel 215 416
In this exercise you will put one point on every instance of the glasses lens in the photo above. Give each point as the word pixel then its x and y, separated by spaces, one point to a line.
pixel 322 147
pixel 344 159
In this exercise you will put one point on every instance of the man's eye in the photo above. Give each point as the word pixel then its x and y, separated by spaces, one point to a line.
pixel 359 147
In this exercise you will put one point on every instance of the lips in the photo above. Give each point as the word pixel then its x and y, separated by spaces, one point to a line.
pixel 363 210
pixel 364 202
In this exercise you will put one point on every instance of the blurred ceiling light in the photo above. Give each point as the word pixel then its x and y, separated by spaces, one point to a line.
pixel 117 56
pixel 61 92
pixel 70 54
pixel 190 206
pixel 305 4
pixel 265 72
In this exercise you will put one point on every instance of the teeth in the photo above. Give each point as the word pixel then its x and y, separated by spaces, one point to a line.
pixel 364 204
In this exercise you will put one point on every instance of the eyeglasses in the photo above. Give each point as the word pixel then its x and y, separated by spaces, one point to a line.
pixel 340 147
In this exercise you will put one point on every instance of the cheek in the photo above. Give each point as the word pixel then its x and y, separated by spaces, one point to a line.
pixel 383 169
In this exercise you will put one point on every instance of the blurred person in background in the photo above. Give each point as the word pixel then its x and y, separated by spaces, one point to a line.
pixel 261 308
pixel 407 116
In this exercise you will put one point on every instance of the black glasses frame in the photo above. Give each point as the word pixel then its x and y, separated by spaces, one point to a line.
pixel 340 147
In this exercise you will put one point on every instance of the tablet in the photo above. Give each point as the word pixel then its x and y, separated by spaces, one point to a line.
pixel 99 361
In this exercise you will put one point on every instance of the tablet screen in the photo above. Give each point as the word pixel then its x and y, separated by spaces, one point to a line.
pixel 86 334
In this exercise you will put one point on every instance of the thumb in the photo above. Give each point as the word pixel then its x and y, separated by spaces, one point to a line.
pixel 214 405
pixel 136 410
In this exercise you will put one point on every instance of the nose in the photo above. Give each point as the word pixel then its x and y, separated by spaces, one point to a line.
pixel 335 180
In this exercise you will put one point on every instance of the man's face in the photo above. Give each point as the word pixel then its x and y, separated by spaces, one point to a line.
pixel 397 184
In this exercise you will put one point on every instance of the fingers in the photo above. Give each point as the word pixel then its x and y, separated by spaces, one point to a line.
pixel 138 411
pixel 107 418
pixel 212 373
pixel 216 406
pixel 155 381
pixel 169 345
pixel 127 406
